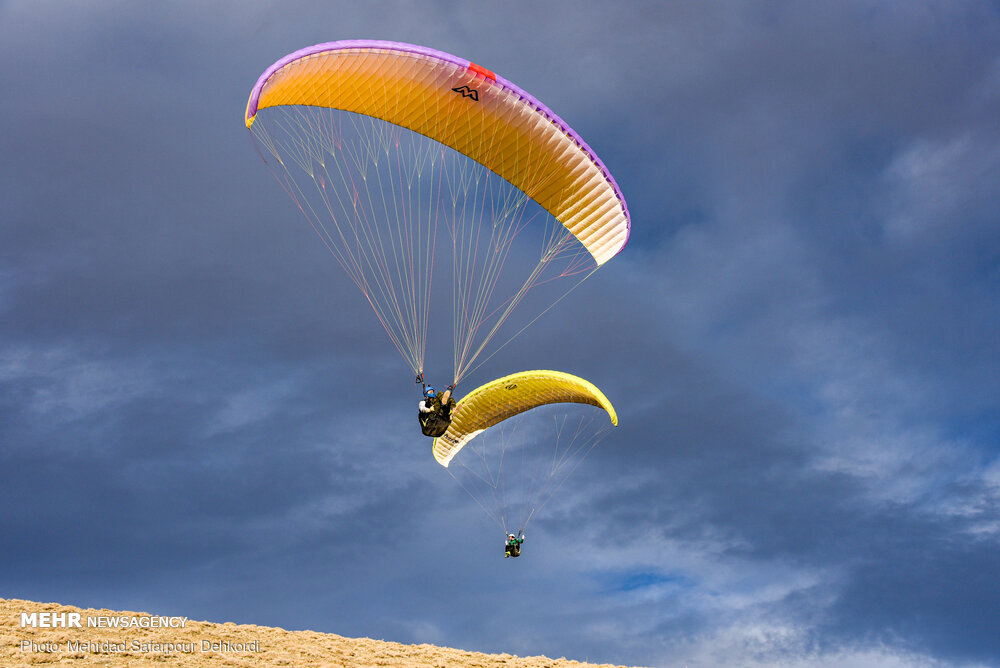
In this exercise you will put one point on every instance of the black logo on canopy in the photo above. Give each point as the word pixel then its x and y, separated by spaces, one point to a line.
pixel 467 92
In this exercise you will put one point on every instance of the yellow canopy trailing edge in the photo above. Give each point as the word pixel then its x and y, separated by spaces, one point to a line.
pixel 511 395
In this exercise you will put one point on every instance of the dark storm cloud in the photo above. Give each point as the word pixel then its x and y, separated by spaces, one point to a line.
pixel 198 417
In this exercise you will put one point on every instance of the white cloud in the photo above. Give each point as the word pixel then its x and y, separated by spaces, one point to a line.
pixel 64 383
pixel 763 643
pixel 940 187
pixel 254 404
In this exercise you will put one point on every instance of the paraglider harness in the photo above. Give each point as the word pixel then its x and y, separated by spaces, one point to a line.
pixel 513 545
pixel 434 416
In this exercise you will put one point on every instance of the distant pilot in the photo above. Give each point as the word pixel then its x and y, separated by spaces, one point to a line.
pixel 513 546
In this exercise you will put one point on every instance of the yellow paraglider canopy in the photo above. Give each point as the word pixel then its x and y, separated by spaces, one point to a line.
pixel 464 106
pixel 412 163
pixel 511 395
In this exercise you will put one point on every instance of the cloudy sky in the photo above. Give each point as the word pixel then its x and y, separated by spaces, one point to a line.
pixel 199 414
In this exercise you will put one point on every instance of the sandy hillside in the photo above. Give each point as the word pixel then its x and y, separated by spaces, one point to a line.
pixel 111 638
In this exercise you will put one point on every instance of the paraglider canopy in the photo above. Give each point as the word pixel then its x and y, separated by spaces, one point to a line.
pixel 513 441
pixel 511 395
pixel 457 102
pixel 411 163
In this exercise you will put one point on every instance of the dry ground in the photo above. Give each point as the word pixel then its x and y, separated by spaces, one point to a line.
pixel 139 646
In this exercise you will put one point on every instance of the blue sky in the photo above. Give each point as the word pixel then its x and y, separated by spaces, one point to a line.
pixel 801 338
